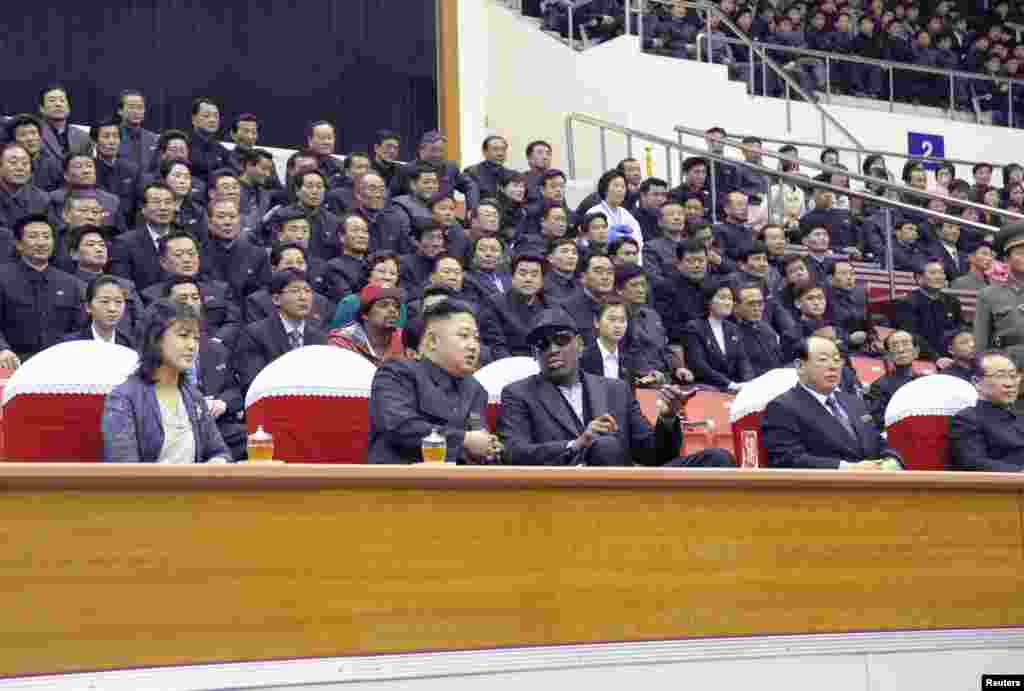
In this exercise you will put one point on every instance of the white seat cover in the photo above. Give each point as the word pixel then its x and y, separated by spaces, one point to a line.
pixel 315 370
pixel 935 394
pixel 499 374
pixel 75 367
pixel 758 393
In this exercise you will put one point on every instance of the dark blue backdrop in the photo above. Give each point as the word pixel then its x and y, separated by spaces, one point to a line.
pixel 364 64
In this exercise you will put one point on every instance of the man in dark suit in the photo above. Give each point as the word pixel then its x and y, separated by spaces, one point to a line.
pixel 679 300
pixel 135 255
pixel 138 145
pixel 59 137
pixel 516 309
pixel 815 426
pixel 229 256
pixel 39 304
pixel 115 174
pixel 597 282
pixel 990 436
pixel 847 302
pixel 929 313
pixel 262 342
pixel 409 398
pixel 19 197
pixel 260 305
pixel 563 416
pixel 901 351
pixel 760 342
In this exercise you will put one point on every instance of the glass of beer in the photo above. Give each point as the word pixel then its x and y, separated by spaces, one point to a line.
pixel 260 446
pixel 434 447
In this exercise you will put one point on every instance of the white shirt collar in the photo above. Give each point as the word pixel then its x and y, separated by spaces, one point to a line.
pixel 97 337
pixel 819 397
pixel 607 354
pixel 290 326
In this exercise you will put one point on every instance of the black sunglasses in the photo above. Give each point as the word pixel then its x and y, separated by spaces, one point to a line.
pixel 560 339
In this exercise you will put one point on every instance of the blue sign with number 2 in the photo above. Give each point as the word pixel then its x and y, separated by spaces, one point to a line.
pixel 923 144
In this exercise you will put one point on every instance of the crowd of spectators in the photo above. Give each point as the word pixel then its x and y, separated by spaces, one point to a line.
pixel 97 227
pixel 947 34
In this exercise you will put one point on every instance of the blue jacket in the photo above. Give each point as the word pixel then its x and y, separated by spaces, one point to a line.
pixel 133 430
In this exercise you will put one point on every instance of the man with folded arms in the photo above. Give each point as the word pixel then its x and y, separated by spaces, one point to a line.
pixel 990 436
pixel 816 426
pixel 563 416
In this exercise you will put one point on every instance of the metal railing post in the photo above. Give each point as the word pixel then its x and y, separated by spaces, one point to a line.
pixel 639 23
pixel 789 110
pixel 952 96
pixel 764 78
pixel 604 150
pixel 668 166
pixel 892 82
pixel 570 147
pixel 1009 97
pixel 888 253
pixel 629 146
pixel 751 71
pixel 828 80
pixel 707 35
pixel 713 168
pixel 572 40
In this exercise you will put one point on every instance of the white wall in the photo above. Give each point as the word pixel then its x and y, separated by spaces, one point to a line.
pixel 533 81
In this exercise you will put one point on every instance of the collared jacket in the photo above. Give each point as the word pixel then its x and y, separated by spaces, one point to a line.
pixel 37 308
pixel 448 176
pixel 27 201
pixel 133 430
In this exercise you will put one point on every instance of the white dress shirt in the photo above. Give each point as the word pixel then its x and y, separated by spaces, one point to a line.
pixel 719 332
pixel 574 395
pixel 96 336
pixel 610 360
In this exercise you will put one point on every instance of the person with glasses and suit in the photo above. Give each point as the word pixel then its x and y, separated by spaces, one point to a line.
pixel 564 416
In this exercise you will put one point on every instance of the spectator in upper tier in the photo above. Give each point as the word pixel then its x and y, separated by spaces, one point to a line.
pixel 320 140
pixel 538 161
pixel 260 305
pixel 979 262
pixel 431 154
pixel 207 154
pixel 612 189
pixel 488 173
pixel 674 32
pixel 39 304
pixel 46 169
pixel 138 145
pixel 866 80
pixel 18 196
pixel 59 138
pixel 843 235
pixel 908 253
pixel 760 341
pixel 104 303
pixel 714 345
pixel 386 148
pixel 929 313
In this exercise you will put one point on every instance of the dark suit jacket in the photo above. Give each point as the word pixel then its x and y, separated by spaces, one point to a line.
pixel 243 266
pixel 221 312
pixel 134 256
pixel 761 344
pixel 800 433
pixel 37 309
pixel 121 336
pixel 536 422
pixel 408 398
pixel 707 361
pixel 583 309
pixel 260 305
pixel 261 343
pixel 591 363
pixel 78 142
pixel 514 318
pixel 931 320
pixel 140 149
pixel 987 438
pixel 217 378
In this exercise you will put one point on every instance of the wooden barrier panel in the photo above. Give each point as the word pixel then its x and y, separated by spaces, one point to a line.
pixel 109 566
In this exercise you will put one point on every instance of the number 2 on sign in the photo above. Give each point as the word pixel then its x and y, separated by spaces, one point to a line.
pixel 927 147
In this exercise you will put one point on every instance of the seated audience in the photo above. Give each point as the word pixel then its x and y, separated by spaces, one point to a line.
pixel 680 299
pixel 929 313
pixel 157 415
pixel 375 334
pixel 660 250
pixel 260 305
pixel 516 309
pixel 417 267
pixel 230 256
pixel 431 156
pixel 383 271
pixel 488 275
pixel 89 251
pixel 979 263
pixel 39 303
pixel 962 352
pixel 46 167
pixel 713 344
pixel 346 274
pixel 900 352
pixel 563 260
pixel 409 398
pixel 646 338
pixel 487 174
pixel 105 300
pixel 596 282
pixel 262 342
pixel 908 253
pixel 814 426
pixel 989 436
pixel 603 356
pixel 19 197
pixel 563 416
pixel 612 189
pixel 847 302
pixel 134 255
pixel 760 341
pixel 292 227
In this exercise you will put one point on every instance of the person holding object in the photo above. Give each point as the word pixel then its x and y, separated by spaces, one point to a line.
pixel 408 398
pixel 990 436
pixel 563 416
pixel 158 415
pixel 816 426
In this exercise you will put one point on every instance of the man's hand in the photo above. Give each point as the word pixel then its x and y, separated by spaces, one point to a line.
pixel 858 337
pixel 604 424
pixel 714 257
pixel 479 444
pixel 8 360
pixel 672 401
pixel 216 407
pixel 887 463
pixel 864 465
pixel 853 252
pixel 683 374
pixel 654 378
pixel 944 362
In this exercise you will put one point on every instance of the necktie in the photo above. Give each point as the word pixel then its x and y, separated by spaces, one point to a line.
pixel 839 414
pixel 295 338
pixel 192 374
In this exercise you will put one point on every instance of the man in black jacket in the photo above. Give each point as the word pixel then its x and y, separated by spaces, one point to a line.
pixel 260 305
pixel 262 342
pixel 18 196
pixel 138 145
pixel 989 437
pixel 679 300
pixel 207 154
pixel 134 254
pixel 229 256
pixel 39 304
pixel 930 314
pixel 760 341
pixel 431 154
pixel 598 281
pixel 901 351
pixel 346 274
pixel 517 309
pixel 114 173
pixel 489 173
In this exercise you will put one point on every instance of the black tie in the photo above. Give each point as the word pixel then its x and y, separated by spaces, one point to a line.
pixel 839 414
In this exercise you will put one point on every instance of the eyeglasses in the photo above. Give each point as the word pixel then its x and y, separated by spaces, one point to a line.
pixel 560 339
pixel 1009 375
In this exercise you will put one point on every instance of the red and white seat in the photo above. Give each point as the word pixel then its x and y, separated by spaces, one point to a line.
pixel 499 374
pixel 747 410
pixel 53 404
pixel 917 419
pixel 315 401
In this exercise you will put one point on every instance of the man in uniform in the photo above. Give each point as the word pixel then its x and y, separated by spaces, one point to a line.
pixel 999 315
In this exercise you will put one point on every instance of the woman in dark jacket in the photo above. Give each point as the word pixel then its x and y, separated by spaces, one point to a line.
pixel 158 415
pixel 714 345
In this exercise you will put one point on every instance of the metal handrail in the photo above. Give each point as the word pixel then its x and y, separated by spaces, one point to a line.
pixel 796 180
pixel 889 65
pixel 708 8
pixel 896 185
pixel 867 152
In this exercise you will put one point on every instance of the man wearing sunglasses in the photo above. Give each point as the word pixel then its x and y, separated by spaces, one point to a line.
pixel 564 416
pixel 990 436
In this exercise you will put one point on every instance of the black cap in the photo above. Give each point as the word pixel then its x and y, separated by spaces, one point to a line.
pixel 551 321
